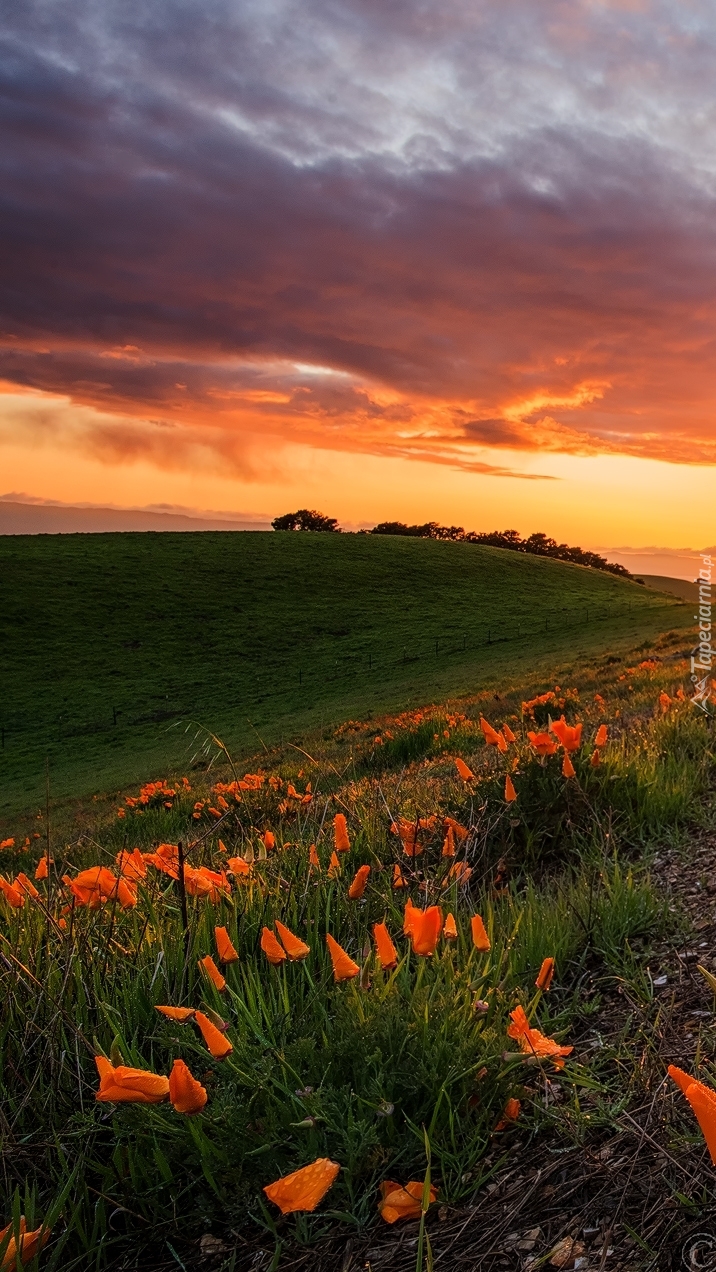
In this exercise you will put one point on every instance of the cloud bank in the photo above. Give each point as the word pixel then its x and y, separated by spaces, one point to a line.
pixel 424 230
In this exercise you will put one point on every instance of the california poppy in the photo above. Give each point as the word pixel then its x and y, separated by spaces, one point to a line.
pixel 398 880
pixel 386 951
pixel 216 1041
pixel 179 1014
pixel 703 1102
pixel 411 917
pixel 27 1246
pixel 595 758
pixel 449 849
pixel 224 947
pixel 601 736
pixel 403 1203
pixel 314 860
pixel 303 1189
pixel 542 743
pixel 509 735
pixel 92 887
pixel 569 735
pixel 42 870
pixel 238 867
pixel 358 886
pixel 465 773
pixel 271 948
pixel 23 884
pixel 334 866
pixel 13 895
pixel 492 737
pixel 510 792
pixel 480 939
pixel 510 1113
pixel 533 1042
pixel 340 833
pixel 185 1092
pixel 450 928
pixel 122 1085
pixel 664 702
pixel 208 966
pixel 203 882
pixel 343 966
pixel 545 974
pixel 460 832
pixel 165 858
pixel 293 945
pixel 131 864
pixel 425 931
pixel 567 766
pixel 460 870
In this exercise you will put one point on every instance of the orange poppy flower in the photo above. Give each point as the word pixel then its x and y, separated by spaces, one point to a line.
pixel 386 951
pixel 27 1246
pixel 334 866
pixel 92 887
pixel 542 743
pixel 703 1102
pixel 450 928
pixel 271 948
pixel 179 1014
pixel 567 766
pixel 426 929
pixel 216 1041
pixel 409 835
pixel 186 1094
pixel 465 773
pixel 534 1043
pixel 510 1113
pixel 293 945
pixel 314 860
pixel 595 758
pixel 166 859
pixel 224 947
pixel 131 864
pixel 569 735
pixel 449 848
pixel 411 917
pixel 601 736
pixel 398 880
pixel 480 939
pixel 208 966
pixel 238 867
pixel 397 1202
pixel 492 737
pixel 269 840
pixel 42 868
pixel 460 871
pixel 664 702
pixel 510 792
pixel 460 832
pixel 358 886
pixel 545 974
pixel 23 884
pixel 303 1189
pixel 340 833
pixel 343 966
pixel 509 735
pixel 123 1085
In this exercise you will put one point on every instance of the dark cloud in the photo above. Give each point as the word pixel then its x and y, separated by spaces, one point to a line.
pixel 497 215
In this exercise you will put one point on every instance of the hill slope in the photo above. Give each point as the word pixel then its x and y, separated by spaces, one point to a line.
pixel 110 640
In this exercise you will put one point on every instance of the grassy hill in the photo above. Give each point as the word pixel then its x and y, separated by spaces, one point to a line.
pixel 112 644
pixel 683 588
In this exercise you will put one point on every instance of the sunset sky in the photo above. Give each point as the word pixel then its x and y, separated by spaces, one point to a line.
pixel 424 259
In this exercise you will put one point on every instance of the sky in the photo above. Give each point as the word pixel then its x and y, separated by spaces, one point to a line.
pixel 429 260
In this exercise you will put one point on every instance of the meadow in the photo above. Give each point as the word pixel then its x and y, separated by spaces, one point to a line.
pixel 116 646
pixel 396 955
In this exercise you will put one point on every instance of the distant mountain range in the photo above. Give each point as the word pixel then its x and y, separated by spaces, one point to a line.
pixel 38 518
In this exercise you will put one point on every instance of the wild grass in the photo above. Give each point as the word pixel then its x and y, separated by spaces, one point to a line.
pixel 378 1073
pixel 111 643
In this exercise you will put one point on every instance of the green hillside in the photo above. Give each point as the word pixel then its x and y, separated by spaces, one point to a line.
pixel 112 643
